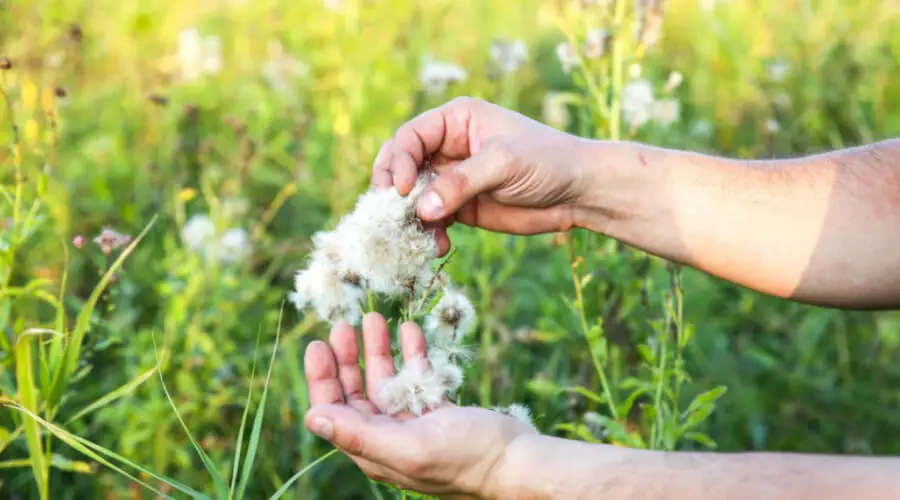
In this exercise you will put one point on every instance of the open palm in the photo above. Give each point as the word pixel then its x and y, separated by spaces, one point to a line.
pixel 450 451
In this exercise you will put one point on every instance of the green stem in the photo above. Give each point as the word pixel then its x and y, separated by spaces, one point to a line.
pixel 615 118
pixel 579 297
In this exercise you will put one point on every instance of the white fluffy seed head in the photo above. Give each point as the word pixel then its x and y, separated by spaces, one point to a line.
pixel 451 319
pixel 322 287
pixel 383 242
pixel 416 388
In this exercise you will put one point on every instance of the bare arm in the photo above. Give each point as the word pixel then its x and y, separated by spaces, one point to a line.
pixel 543 467
pixel 821 229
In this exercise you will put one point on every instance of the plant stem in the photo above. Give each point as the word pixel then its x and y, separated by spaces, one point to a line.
pixel 615 118
pixel 579 297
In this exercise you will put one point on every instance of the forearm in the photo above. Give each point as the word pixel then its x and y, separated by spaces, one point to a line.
pixel 820 230
pixel 543 467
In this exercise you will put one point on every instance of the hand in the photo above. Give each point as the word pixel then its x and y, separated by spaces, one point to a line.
pixel 499 170
pixel 451 451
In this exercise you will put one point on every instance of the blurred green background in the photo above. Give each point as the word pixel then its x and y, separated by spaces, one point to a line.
pixel 257 121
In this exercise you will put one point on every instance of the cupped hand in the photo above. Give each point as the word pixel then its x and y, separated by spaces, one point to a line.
pixel 498 170
pixel 450 451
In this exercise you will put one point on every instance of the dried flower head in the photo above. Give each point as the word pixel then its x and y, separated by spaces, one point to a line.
pixel 5 63
pixel 321 287
pixel 451 319
pixel 110 239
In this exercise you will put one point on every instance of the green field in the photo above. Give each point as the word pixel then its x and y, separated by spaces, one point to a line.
pixel 262 119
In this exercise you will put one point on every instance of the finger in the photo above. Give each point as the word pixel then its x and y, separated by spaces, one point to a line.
pixel 321 375
pixel 345 346
pixel 412 341
pixel 442 240
pixel 375 438
pixel 441 130
pixel 486 213
pixel 452 189
pixel 381 176
pixel 377 345
pixel 440 235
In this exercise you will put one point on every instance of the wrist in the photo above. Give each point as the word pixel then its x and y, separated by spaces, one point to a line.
pixel 620 182
pixel 541 467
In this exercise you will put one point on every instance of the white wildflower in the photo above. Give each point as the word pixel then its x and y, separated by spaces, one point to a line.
pixel 595 43
pixel 281 70
pixel 201 235
pixel 637 102
pixel 437 75
pixel 198 231
pixel 567 56
pixel 634 71
pixel 321 287
pixel 778 70
pixel 675 79
pixel 772 126
pixel 554 110
pixel 233 246
pixel 666 111
pixel 701 128
pixel 509 56
pixel 450 320
pixel 198 55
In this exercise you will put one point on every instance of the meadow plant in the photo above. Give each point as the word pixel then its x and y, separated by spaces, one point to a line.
pixel 381 251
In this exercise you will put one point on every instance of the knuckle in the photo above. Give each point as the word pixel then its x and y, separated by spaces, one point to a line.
pixel 464 102
pixel 453 185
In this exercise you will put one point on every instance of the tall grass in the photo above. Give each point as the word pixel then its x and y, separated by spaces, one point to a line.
pixel 102 126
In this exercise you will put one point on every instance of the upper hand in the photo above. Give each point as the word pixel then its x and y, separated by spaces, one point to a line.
pixel 452 451
pixel 498 170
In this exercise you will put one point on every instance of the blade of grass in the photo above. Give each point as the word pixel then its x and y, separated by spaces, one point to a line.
pixel 218 481
pixel 281 491
pixel 28 399
pixel 240 437
pixel 124 390
pixel 94 452
pixel 250 457
pixel 15 464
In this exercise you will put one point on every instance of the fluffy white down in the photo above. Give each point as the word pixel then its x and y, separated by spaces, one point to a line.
pixel 321 287
pixel 451 319
pixel 415 389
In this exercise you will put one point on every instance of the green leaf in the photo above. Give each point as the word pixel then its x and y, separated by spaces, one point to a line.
pixel 218 481
pixel 240 438
pixel 94 451
pixel 707 398
pixel 124 390
pixel 28 400
pixel 250 457
pixel 281 491
pixel 584 391
pixel 701 438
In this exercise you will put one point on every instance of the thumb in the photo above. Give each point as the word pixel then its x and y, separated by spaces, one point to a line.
pixel 354 432
pixel 451 190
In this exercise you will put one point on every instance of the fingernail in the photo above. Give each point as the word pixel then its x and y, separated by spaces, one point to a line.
pixel 430 205
pixel 322 426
